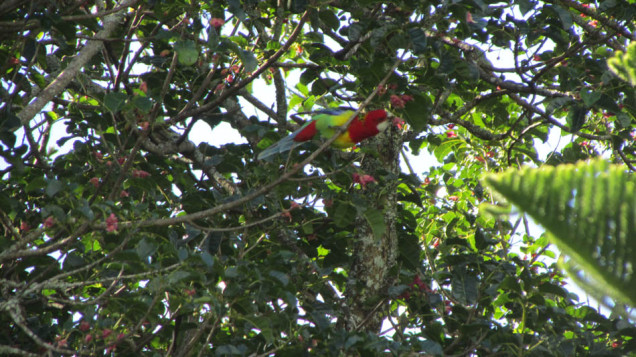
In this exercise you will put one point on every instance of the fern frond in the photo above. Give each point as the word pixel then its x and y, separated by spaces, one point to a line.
pixel 589 211
pixel 624 64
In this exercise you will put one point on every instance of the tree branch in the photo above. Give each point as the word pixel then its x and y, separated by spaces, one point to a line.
pixel 235 88
pixel 263 190
pixel 596 15
pixel 70 72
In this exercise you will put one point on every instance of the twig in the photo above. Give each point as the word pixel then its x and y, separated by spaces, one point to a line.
pixel 235 88
pixel 236 228
pixel 10 350
pixel 265 189
pixel 553 121
pixel 257 103
pixel 70 72
pixel 625 159
pixel 407 162
pixel 370 315
pixel 15 311
pixel 598 16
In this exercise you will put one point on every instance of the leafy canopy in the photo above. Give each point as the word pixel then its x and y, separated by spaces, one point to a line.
pixel 135 238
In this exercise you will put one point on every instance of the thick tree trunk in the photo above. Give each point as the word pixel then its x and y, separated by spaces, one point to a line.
pixel 369 278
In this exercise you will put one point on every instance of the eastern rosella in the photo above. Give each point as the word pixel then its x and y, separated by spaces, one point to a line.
pixel 326 123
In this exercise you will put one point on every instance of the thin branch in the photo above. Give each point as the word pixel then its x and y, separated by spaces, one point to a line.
pixel 163 144
pixel 257 103
pixel 14 251
pixel 396 328
pixel 370 315
pixel 209 336
pixel 551 120
pixel 111 22
pixel 7 350
pixel 164 88
pixel 265 189
pixel 595 32
pixel 144 44
pixel 407 162
pixel 281 97
pixel 236 228
pixel 579 6
pixel 134 23
pixel 296 65
pixel 474 129
pixel 184 351
pixel 235 88
pixel 64 285
pixel 121 246
pixel 15 311
pixel 74 18
pixel 625 159
pixel 108 293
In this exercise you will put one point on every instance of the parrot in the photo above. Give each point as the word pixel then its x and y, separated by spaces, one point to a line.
pixel 326 123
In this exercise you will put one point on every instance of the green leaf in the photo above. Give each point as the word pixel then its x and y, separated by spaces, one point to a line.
pixel 176 276
pixel 446 65
pixel 236 9
pixel 73 260
pixel 280 276
pixel 53 187
pixel 446 147
pixel 322 86
pixel 298 6
pixel 36 184
pixel 330 19
pixel 9 122
pixel 553 289
pixel 30 46
pixel 417 111
pixel 355 31
pixel 249 60
pixel 376 222
pixel 85 209
pixel 623 120
pixel 146 249
pixel 213 38
pixel 588 210
pixel 208 259
pixel 468 70
pixel 576 117
pixel 464 287
pixel 431 347
pixel 418 40
pixel 624 64
pixel 115 101
pixel 590 97
pixel 345 214
pixel 606 5
pixel 54 210
pixel 187 52
pixel 565 16
pixel 397 290
pixel 308 228
pixel 232 272
pixel 182 253
pixel 144 104
pixel 525 5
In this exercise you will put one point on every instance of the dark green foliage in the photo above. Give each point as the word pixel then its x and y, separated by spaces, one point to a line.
pixel 123 234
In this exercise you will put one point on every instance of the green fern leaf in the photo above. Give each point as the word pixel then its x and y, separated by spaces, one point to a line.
pixel 624 64
pixel 589 211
